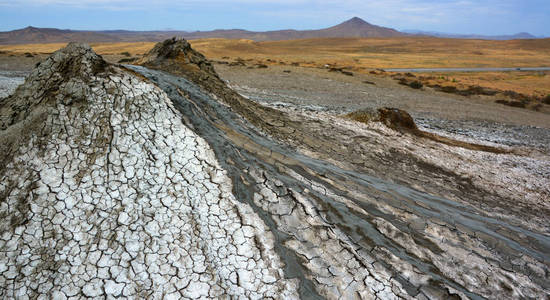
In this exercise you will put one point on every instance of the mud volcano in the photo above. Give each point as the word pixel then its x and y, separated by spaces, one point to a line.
pixel 158 181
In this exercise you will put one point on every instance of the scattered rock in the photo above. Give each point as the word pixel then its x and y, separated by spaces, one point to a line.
pixel 348 73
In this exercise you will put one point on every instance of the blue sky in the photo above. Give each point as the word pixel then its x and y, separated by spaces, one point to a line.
pixel 491 17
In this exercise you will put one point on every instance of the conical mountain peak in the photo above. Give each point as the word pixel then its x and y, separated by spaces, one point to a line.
pixel 356 21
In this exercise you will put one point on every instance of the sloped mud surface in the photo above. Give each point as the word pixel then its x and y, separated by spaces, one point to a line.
pixel 357 220
pixel 9 81
pixel 498 133
pixel 158 181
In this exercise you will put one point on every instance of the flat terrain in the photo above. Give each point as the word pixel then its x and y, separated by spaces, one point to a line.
pixel 362 55
pixel 403 52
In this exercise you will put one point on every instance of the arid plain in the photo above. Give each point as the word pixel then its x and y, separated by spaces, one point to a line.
pixel 363 55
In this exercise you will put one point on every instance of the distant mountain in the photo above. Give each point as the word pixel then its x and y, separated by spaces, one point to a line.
pixel 354 27
pixel 517 36
pixel 52 35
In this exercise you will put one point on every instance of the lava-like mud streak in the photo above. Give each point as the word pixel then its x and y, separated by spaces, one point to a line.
pixel 412 236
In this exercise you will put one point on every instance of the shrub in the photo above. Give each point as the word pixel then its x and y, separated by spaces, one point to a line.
pixel 416 84
pixel 127 54
pixel 403 81
pixel 546 100
pixel 449 89
pixel 127 60
pixel 512 103
pixel 478 90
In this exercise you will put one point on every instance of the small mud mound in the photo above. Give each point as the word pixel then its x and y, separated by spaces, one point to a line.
pixel 402 121
pixel 397 119
pixel 177 54
pixel 392 117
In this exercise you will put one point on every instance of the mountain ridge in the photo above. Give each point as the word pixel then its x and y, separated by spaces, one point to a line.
pixel 354 27
pixel 517 36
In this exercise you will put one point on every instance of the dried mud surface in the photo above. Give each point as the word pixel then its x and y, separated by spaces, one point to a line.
pixel 159 181
pixel 319 90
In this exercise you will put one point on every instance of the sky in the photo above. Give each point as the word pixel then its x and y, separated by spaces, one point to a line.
pixel 488 17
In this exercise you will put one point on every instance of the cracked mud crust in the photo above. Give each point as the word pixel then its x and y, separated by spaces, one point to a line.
pixel 158 181
pixel 116 197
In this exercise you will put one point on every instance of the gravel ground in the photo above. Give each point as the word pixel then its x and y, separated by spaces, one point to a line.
pixel 466 118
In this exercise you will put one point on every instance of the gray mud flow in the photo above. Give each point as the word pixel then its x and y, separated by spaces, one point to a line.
pixel 383 224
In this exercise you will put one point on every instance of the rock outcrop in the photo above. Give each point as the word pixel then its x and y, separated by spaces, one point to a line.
pixel 158 181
